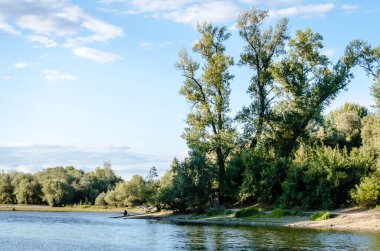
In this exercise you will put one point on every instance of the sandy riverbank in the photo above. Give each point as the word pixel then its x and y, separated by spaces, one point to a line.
pixel 353 219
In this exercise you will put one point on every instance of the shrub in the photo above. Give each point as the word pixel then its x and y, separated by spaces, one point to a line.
pixel 318 216
pixel 247 212
pixel 278 212
pixel 321 177
pixel 100 201
pixel 263 176
pixel 367 193
pixel 217 211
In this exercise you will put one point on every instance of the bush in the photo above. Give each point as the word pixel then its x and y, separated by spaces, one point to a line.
pixel 100 201
pixel 318 216
pixel 278 212
pixel 189 184
pixel 247 212
pixel 263 176
pixel 217 211
pixel 367 193
pixel 321 177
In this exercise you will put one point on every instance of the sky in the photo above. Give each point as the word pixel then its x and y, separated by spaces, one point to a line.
pixel 83 82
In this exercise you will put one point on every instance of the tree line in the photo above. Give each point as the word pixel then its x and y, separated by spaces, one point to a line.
pixel 279 149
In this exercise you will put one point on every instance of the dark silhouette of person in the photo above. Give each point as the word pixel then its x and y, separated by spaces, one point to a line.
pixel 125 213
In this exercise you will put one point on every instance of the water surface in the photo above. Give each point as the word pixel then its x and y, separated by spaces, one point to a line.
pixel 97 231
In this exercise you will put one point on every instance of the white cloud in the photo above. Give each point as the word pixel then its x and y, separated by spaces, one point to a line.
pixel 45 41
pixel 349 8
pixel 218 11
pixel 184 11
pixel 8 28
pixel 96 55
pixel 47 26
pixel 54 22
pixel 6 77
pixel 146 45
pixel 56 76
pixel 308 10
pixel 150 45
pixel 20 65
pixel 271 2
pixel 28 157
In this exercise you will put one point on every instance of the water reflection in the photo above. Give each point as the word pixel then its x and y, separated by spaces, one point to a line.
pixel 274 238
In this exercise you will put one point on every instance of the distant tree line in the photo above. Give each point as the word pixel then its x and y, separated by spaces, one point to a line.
pixel 56 186
pixel 279 149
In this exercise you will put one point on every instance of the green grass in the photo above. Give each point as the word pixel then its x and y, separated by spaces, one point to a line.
pixel 217 211
pixel 247 212
pixel 318 216
pixel 278 212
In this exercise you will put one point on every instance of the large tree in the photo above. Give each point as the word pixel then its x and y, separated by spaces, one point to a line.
pixel 263 47
pixel 308 82
pixel 209 125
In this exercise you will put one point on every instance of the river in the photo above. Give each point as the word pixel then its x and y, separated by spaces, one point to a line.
pixel 97 231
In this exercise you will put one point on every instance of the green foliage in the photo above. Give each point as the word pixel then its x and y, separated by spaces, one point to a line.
pixel 318 216
pixel 233 179
pixel 6 190
pixel 100 200
pixel 279 212
pixel 57 192
pixel 367 193
pixel 263 176
pixel 375 91
pixel 308 82
pixel 217 211
pixel 371 135
pixel 321 177
pixel 130 193
pixel 263 47
pixel 209 125
pixel 247 212
pixel 343 126
pixel 190 185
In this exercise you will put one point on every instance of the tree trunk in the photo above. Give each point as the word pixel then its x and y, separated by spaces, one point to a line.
pixel 221 174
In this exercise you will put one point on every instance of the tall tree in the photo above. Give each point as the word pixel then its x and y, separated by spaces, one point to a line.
pixel 361 53
pixel 308 82
pixel 209 125
pixel 263 47
pixel 375 91
pixel 6 190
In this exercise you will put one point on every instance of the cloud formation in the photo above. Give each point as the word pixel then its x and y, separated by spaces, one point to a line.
pixel 56 76
pixel 96 55
pixel 21 64
pixel 183 11
pixel 33 157
pixel 52 23
pixel 308 10
pixel 216 11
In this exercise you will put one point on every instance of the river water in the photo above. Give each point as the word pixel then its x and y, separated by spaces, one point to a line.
pixel 97 231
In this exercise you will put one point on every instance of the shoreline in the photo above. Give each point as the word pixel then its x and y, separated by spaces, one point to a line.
pixel 349 219
pixel 43 208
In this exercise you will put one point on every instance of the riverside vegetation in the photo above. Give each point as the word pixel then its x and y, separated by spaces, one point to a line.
pixel 279 150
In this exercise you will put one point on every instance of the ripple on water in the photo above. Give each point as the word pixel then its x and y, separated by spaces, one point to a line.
pixel 97 231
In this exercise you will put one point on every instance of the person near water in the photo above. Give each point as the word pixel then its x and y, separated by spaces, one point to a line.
pixel 125 213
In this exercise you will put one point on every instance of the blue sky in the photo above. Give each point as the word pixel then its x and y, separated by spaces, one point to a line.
pixel 82 82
